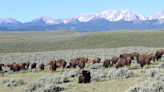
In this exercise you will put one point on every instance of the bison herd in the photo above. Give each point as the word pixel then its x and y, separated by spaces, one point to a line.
pixel 121 61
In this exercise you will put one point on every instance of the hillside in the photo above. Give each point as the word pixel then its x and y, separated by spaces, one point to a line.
pixel 31 41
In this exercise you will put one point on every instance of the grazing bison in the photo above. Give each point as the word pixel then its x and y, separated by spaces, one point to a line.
pixel 85 77
pixel 63 62
pixel 51 62
pixel 53 66
pixel 58 65
pixel 2 74
pixel 22 65
pixel 33 66
pixel 159 54
pixel 135 54
pixel 128 58
pixel 84 59
pixel 121 62
pixel 1 66
pixel 15 68
pixel 127 55
pixel 42 66
pixel 106 63
pixel 81 64
pixel 27 64
pixel 144 59
pixel 96 60
pixel 154 56
pixel 114 60
pixel 74 62
pixel 128 61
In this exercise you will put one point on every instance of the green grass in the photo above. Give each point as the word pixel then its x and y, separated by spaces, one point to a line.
pixel 68 40
pixel 107 85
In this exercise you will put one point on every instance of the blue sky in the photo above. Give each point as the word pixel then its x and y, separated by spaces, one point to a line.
pixel 27 10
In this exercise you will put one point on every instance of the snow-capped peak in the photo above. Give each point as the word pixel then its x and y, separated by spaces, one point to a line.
pixel 159 15
pixel 8 20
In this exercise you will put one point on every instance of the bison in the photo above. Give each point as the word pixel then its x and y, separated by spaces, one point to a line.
pixel 81 64
pixel 33 66
pixel 121 62
pixel 15 68
pixel 58 65
pixel 159 54
pixel 106 63
pixel 51 62
pixel 42 66
pixel 1 66
pixel 127 55
pixel 154 56
pixel 84 59
pixel 85 77
pixel 128 58
pixel 96 60
pixel 53 66
pixel 63 62
pixel 114 60
pixel 22 65
pixel 27 64
pixel 144 59
pixel 136 54
pixel 74 62
pixel 81 79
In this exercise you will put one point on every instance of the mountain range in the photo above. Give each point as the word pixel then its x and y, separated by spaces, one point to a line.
pixel 108 16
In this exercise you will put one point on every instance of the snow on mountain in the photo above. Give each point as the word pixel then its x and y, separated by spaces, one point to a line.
pixel 110 15
pixel 8 20
pixel 47 20
pixel 159 15
pixel 127 15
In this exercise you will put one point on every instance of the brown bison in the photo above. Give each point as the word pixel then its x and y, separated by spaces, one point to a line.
pixel 81 79
pixel 128 58
pixel 22 65
pixel 128 61
pixel 127 55
pixel 27 64
pixel 136 54
pixel 85 77
pixel 1 66
pixel 53 66
pixel 42 66
pixel 154 56
pixel 144 59
pixel 121 62
pixel 81 64
pixel 114 60
pixel 74 62
pixel 51 62
pixel 159 54
pixel 63 62
pixel 96 60
pixel 33 66
pixel 58 65
pixel 84 59
pixel 15 68
pixel 106 63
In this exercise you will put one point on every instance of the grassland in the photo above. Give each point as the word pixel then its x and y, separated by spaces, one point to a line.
pixel 44 46
pixel 68 40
